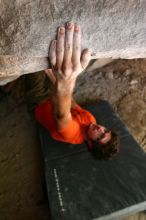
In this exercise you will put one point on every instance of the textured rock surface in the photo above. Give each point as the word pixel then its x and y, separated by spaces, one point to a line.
pixel 111 28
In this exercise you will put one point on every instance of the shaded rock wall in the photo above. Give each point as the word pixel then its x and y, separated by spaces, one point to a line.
pixel 111 28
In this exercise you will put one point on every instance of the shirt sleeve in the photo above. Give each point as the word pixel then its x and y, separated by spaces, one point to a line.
pixel 44 115
pixel 39 115
pixel 83 116
pixel 70 132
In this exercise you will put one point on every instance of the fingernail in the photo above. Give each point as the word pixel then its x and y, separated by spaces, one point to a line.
pixel 69 24
pixel 77 28
pixel 61 30
pixel 86 51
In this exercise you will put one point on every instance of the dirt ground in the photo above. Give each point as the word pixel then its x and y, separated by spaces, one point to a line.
pixel 22 192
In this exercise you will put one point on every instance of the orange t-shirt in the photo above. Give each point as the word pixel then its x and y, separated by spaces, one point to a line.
pixel 73 132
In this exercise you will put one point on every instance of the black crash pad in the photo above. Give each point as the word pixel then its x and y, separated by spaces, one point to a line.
pixel 81 188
